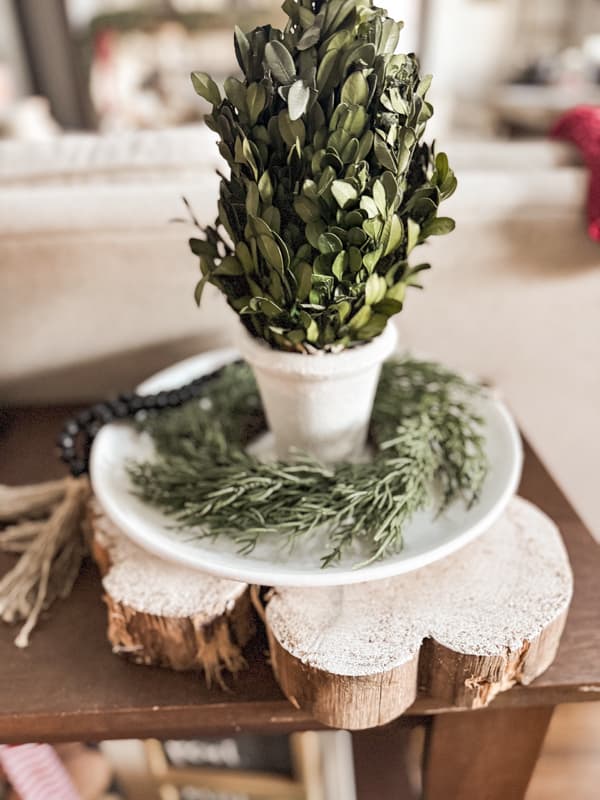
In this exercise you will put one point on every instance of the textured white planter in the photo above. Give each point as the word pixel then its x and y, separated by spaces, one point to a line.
pixel 320 404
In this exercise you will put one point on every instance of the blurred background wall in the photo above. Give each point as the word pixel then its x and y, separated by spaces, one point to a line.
pixel 101 135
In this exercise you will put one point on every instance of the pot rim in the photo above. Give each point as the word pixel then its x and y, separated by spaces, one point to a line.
pixel 321 364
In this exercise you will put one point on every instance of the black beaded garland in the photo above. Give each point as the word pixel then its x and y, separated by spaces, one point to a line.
pixel 76 438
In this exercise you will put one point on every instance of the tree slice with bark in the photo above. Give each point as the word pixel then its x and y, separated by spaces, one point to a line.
pixel 165 614
pixel 462 629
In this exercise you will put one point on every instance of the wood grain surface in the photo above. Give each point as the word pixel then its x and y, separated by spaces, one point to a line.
pixel 69 686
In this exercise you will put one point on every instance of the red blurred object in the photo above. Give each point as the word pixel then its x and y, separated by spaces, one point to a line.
pixel 581 126
pixel 36 772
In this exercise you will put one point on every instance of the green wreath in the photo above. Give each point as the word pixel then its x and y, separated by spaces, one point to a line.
pixel 428 445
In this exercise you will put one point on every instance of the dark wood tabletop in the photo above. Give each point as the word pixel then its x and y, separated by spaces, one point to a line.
pixel 69 686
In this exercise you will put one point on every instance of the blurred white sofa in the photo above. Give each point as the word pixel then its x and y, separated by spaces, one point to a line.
pixel 96 283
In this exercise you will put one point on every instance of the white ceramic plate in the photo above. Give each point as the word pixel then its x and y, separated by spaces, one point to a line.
pixel 428 538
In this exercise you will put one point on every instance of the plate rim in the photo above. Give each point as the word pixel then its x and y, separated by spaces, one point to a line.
pixel 168 549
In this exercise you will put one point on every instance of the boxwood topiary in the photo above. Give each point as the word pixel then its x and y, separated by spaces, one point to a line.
pixel 330 185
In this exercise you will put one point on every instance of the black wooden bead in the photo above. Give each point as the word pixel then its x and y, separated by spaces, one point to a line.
pixel 136 403
pixel 65 440
pixel 71 427
pixel 93 428
pixel 173 399
pixel 185 393
pixel 119 409
pixel 67 454
pixel 78 467
pixel 84 417
pixel 161 400
pixel 102 412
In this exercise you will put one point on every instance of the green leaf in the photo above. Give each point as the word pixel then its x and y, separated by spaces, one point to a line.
pixel 244 256
pixel 375 289
pixel 292 9
pixel 336 12
pixel 355 90
pixel 303 273
pixel 413 231
pixel 313 230
pixel 344 193
pixel 397 292
pixel 326 73
pixel 350 152
pixel 383 154
pixel 363 54
pixel 356 121
pixel 354 259
pixel 391 188
pixel 242 49
pixel 396 235
pixel 199 247
pixel 272 217
pixel 236 94
pixel 366 143
pixel 438 227
pixel 340 265
pixel 280 62
pixel 329 243
pixel 271 252
pixel 424 85
pixel 343 309
pixel 312 332
pixel 388 306
pixel 306 209
pixel 370 259
pixel 390 34
pixel 267 307
pixel 265 188
pixel 442 166
pixel 360 319
pixel 205 87
pixel 291 130
pixel 368 204
pixel 252 198
pixel 309 38
pixel 373 327
pixel 256 100
pixel 229 266
pixel 380 198
pixel 298 99
pixel 200 289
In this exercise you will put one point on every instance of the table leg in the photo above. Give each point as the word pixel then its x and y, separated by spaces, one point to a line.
pixel 381 762
pixel 483 755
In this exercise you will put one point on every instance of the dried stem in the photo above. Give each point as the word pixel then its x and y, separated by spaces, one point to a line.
pixel 17 502
pixel 51 551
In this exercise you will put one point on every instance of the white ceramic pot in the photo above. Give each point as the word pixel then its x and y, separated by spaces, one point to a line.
pixel 320 404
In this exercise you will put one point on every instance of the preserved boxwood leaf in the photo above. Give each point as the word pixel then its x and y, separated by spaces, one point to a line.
pixel 329 185
pixel 280 62
pixel 298 99
pixel 355 90
pixel 206 87
pixel 309 38
pixel 344 193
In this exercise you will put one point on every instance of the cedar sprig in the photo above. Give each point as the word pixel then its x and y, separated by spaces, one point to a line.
pixel 428 446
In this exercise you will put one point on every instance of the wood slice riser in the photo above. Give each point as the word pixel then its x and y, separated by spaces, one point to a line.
pixel 519 614
pixel 211 642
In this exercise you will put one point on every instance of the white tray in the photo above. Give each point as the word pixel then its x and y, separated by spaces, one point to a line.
pixel 428 538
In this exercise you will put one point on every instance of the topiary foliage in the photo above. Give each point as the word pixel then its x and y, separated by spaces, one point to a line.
pixel 330 186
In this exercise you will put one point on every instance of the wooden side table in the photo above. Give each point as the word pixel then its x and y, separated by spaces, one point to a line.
pixel 68 685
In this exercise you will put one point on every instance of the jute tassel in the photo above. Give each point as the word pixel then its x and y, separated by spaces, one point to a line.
pixel 44 525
